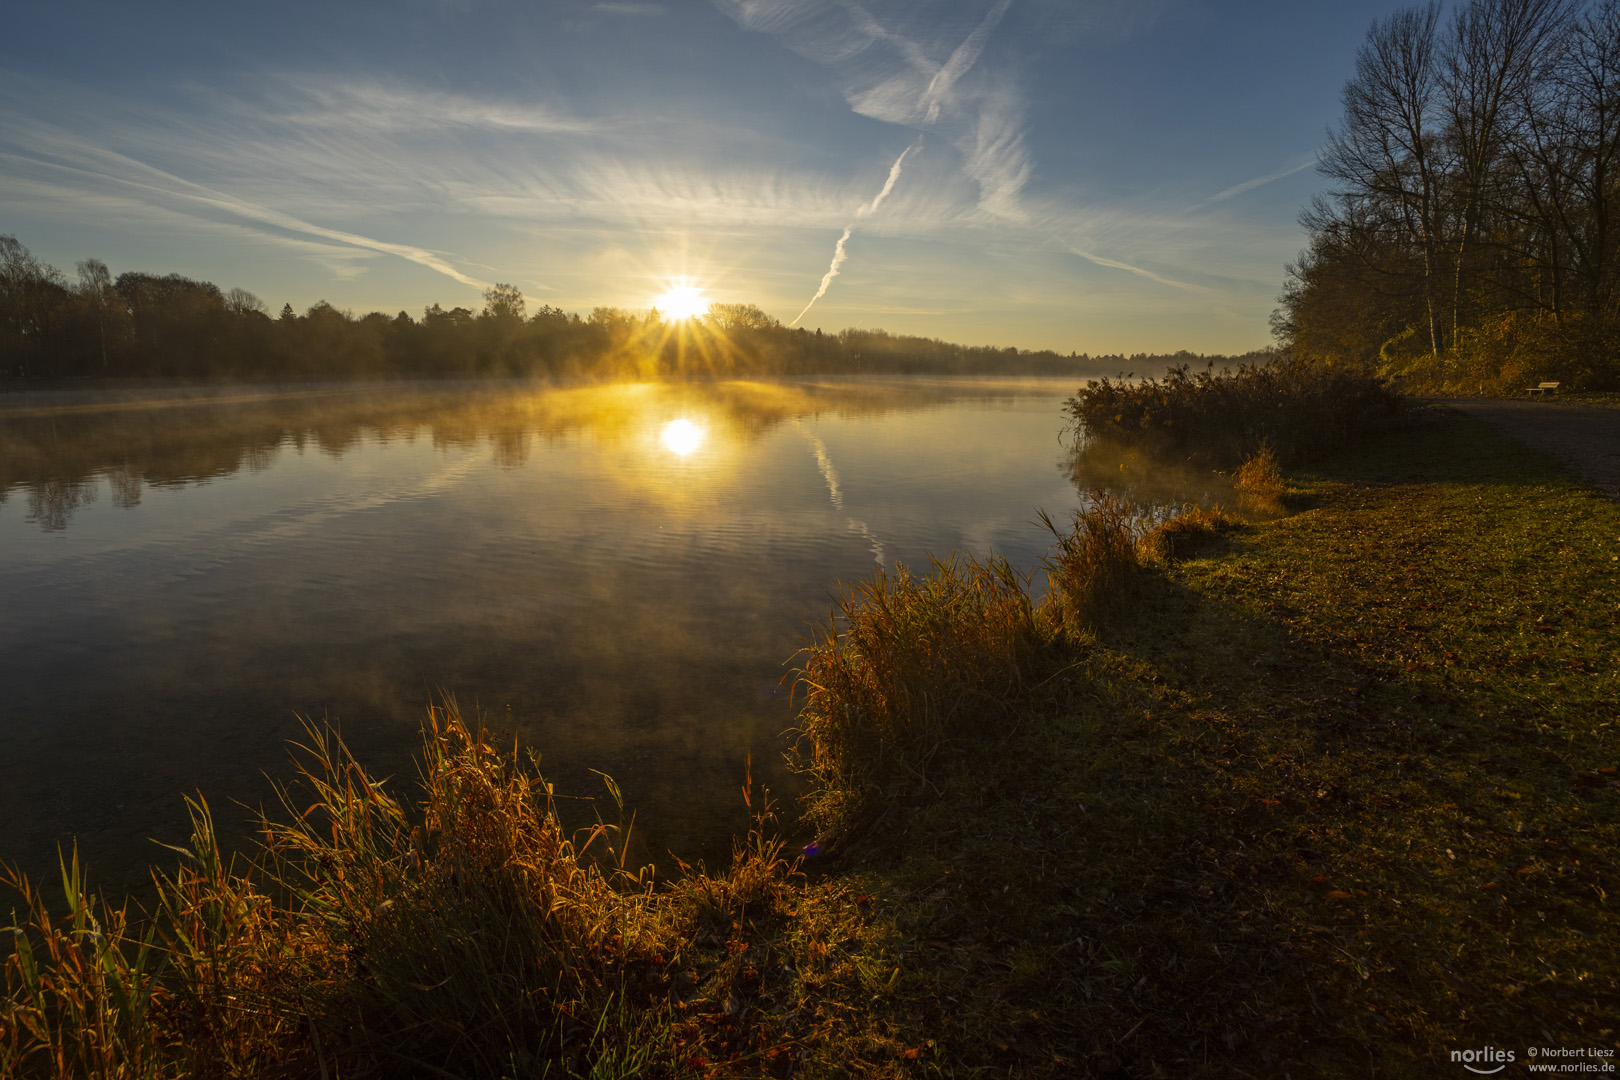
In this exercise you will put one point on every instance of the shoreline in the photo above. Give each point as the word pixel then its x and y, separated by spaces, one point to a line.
pixel 1295 807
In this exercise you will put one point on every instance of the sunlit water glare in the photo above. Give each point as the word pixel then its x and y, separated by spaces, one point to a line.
pixel 681 437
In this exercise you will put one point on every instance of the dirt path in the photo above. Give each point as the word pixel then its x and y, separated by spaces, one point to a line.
pixel 1585 438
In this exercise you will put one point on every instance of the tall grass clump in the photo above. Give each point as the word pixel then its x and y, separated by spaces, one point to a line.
pixel 1218 420
pixel 905 664
pixel 80 993
pixel 484 933
pixel 1259 481
pixel 473 934
pixel 1176 536
pixel 1092 567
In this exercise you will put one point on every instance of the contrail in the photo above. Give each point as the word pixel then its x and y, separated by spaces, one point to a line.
pixel 888 185
pixel 832 272
pixel 1238 189
pixel 839 254
pixel 1116 264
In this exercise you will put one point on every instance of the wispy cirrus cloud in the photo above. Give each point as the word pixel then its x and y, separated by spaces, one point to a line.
pixel 337 149
pixel 915 73
pixel 392 107
pixel 963 58
pixel 76 159
pixel 46 195
pixel 340 151
pixel 744 198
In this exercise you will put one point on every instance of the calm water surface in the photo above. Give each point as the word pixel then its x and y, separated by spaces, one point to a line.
pixel 619 575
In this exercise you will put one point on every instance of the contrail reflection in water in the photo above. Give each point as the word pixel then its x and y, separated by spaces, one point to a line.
pixel 829 473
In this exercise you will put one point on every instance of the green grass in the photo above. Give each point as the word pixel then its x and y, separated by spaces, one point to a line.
pixel 1331 795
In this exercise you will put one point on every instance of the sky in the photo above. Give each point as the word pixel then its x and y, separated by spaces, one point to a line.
pixel 1110 176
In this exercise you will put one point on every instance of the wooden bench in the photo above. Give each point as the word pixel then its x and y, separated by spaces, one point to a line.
pixel 1543 388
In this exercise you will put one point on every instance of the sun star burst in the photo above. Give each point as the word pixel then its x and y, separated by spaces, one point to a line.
pixel 682 302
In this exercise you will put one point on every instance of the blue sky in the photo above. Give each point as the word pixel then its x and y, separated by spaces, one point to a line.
pixel 1110 176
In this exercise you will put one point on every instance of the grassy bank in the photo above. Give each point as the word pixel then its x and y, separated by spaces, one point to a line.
pixel 1334 797
pixel 1328 796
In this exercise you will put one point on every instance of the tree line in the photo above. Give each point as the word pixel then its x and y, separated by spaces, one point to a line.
pixel 141 324
pixel 1472 232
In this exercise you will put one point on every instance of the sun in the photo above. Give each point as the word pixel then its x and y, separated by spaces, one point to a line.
pixel 682 302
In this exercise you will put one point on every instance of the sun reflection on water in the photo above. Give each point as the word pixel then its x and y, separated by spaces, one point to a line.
pixel 681 437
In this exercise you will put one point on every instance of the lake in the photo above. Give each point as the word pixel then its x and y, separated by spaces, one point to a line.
pixel 619 576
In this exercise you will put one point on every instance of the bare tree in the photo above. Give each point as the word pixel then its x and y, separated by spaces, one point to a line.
pixel 1384 150
pixel 31 293
pixel 240 302
pixel 1495 53
pixel 730 318
pixel 1576 144
pixel 96 290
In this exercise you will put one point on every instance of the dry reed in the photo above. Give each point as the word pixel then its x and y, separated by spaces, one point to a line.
pixel 1217 420
pixel 1176 536
pixel 1092 566
pixel 1259 482
pixel 905 664
pixel 474 934
pixel 908 664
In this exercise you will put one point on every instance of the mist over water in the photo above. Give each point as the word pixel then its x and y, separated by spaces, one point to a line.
pixel 617 575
